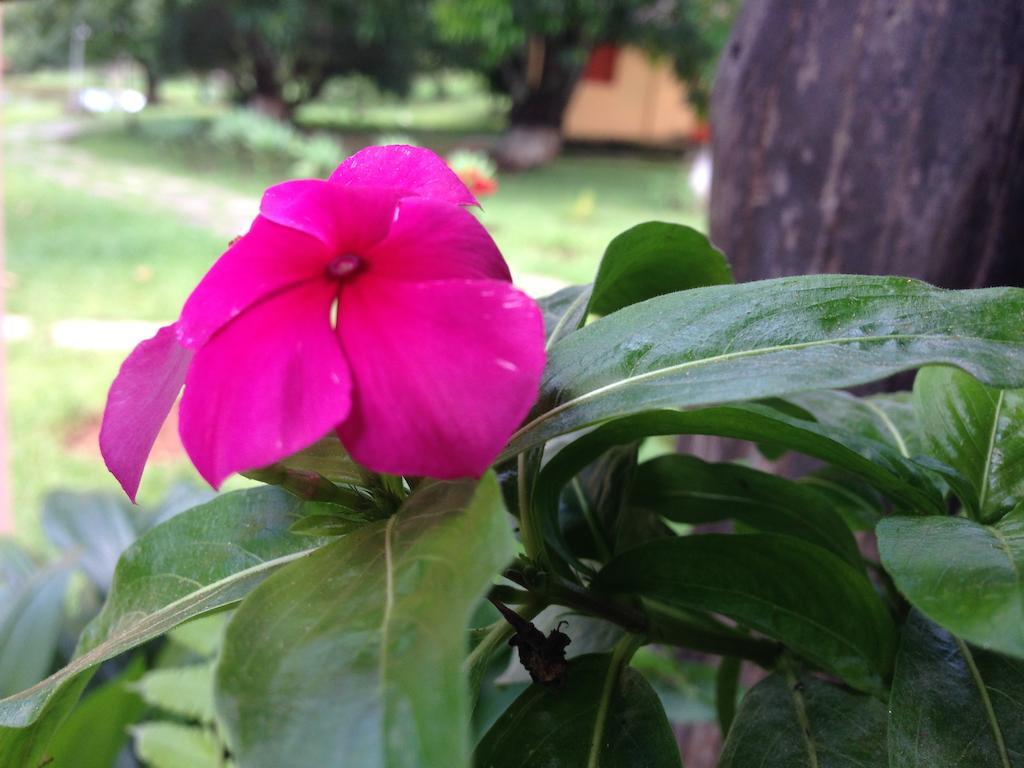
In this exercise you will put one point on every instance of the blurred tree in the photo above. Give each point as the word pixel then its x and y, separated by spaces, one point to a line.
pixel 535 51
pixel 40 32
pixel 281 53
pixel 875 136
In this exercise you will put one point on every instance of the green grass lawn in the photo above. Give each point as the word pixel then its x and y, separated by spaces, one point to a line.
pixel 555 221
pixel 71 254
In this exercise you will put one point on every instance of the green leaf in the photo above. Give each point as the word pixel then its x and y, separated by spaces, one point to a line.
pixel 30 624
pixel 686 688
pixel 592 506
pixel 606 716
pixel 854 499
pixel 979 432
pixel 201 636
pixel 728 343
pixel 202 559
pixel 315 473
pixel 887 418
pixel 172 745
pixel 788 723
pixel 902 480
pixel 326 525
pixel 97 730
pixel 564 311
pixel 965 576
pixel 952 705
pixel 16 565
pixel 792 591
pixel 653 259
pixel 685 489
pixel 365 639
pixel 95 527
pixel 727 686
pixel 184 691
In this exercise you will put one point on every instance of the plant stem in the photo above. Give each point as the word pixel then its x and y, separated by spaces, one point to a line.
pixel 526 532
pixel 621 655
pixel 672 627
pixel 561 592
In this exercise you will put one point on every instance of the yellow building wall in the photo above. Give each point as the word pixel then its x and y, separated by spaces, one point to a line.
pixel 644 102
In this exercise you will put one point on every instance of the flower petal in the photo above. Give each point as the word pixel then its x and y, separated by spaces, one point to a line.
pixel 432 240
pixel 443 372
pixel 140 398
pixel 412 170
pixel 270 383
pixel 270 257
pixel 342 218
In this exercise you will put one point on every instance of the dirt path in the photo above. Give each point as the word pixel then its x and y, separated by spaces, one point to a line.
pixel 207 206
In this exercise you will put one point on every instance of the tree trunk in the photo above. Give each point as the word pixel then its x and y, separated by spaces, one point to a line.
pixel 872 136
pixel 267 92
pixel 544 83
pixel 152 84
pixel 540 83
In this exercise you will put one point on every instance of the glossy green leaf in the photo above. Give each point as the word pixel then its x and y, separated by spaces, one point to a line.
pixel 365 640
pixel 979 432
pixel 729 343
pixel 653 259
pixel 952 705
pixel 592 506
pixel 965 576
pixel 200 560
pixel 902 480
pixel 687 490
pixel 185 691
pixel 788 723
pixel 604 717
pixel 30 624
pixel 797 593
pixel 97 730
pixel 172 745
pixel 887 418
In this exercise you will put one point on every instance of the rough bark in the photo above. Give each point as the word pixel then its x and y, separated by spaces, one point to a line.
pixel 872 136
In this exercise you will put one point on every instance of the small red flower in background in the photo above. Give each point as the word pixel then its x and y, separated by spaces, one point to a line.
pixel 476 170
pixel 433 360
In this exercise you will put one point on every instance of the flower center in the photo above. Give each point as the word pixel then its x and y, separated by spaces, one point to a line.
pixel 344 266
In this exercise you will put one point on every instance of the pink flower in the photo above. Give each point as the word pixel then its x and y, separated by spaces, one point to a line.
pixel 431 363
